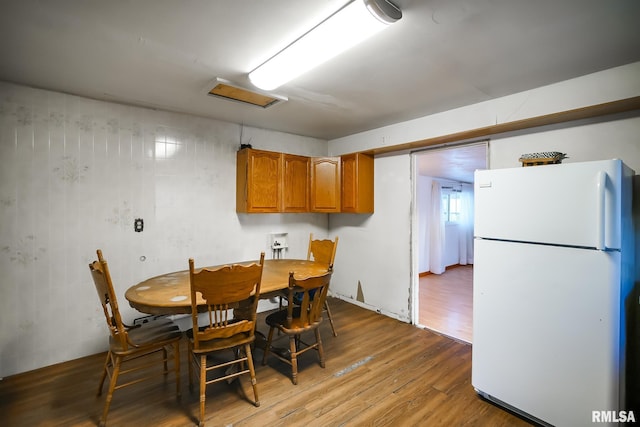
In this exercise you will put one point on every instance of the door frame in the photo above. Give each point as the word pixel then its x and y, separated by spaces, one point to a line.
pixel 414 241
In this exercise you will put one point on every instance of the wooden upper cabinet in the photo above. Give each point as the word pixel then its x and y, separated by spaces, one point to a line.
pixel 325 184
pixel 357 183
pixel 258 181
pixel 295 184
pixel 271 182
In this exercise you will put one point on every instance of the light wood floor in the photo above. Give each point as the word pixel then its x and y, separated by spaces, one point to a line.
pixel 379 371
pixel 446 302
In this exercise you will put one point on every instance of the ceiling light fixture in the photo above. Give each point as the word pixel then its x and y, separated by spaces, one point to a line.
pixel 353 23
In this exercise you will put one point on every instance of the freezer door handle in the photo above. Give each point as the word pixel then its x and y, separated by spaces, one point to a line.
pixel 601 188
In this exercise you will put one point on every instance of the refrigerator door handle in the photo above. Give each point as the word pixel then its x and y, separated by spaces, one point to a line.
pixel 601 188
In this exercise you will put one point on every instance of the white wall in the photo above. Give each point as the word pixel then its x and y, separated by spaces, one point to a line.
pixel 388 275
pixel 423 207
pixel 373 250
pixel 451 244
pixel 582 141
pixel 75 173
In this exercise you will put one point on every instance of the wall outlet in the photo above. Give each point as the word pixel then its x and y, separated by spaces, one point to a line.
pixel 278 240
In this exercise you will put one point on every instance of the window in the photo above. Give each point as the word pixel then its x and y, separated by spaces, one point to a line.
pixel 451 205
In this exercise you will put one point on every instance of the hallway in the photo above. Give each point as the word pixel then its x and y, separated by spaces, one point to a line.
pixel 446 302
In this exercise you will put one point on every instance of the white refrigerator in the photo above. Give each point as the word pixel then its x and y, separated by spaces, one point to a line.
pixel 553 267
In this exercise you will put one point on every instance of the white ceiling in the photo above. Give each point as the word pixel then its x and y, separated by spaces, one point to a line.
pixel 453 163
pixel 442 54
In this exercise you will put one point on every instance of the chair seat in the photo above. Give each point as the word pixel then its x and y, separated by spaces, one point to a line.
pixel 148 333
pixel 279 320
pixel 220 343
pixel 155 323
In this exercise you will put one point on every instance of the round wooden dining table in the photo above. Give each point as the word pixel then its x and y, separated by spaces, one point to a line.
pixel 170 293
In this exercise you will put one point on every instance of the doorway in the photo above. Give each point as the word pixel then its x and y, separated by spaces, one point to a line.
pixel 443 247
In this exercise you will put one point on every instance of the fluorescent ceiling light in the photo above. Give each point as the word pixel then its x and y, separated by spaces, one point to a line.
pixel 355 22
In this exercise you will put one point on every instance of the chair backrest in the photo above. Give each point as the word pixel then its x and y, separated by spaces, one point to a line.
pixel 323 251
pixel 104 286
pixel 311 293
pixel 229 288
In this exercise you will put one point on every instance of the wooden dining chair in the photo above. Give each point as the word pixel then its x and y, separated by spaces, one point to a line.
pixel 129 343
pixel 231 293
pixel 323 251
pixel 295 320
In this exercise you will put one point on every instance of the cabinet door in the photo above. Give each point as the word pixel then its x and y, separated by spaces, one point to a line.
pixel 325 184
pixel 295 185
pixel 357 183
pixel 258 181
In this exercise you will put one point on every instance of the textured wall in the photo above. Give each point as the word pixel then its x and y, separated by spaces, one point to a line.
pixel 75 173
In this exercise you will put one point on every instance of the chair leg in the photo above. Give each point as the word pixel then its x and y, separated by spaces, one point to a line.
pixel 203 386
pixel 190 359
pixel 252 372
pixel 164 358
pixel 112 387
pixel 267 346
pixel 176 360
pixel 104 372
pixel 320 349
pixel 280 307
pixel 294 359
pixel 238 356
pixel 333 328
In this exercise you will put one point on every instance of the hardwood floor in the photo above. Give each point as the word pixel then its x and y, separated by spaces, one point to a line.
pixel 446 302
pixel 379 371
